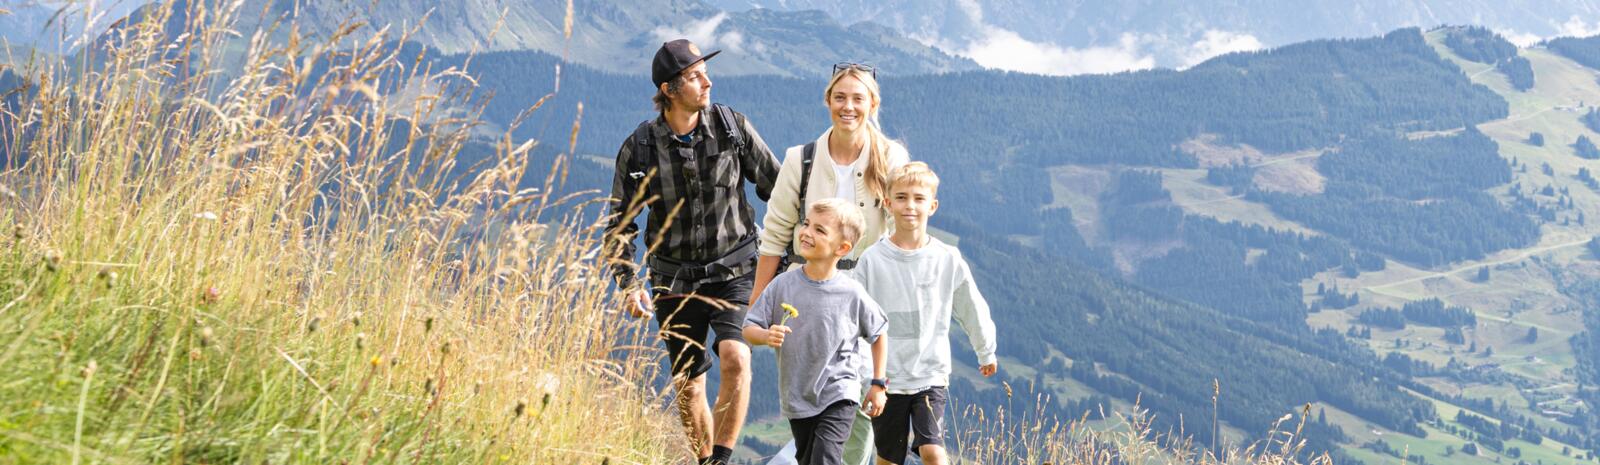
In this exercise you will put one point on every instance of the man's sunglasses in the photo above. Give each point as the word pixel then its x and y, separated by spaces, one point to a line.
pixel 840 67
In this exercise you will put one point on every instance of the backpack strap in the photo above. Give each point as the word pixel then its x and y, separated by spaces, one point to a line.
pixel 643 148
pixel 732 127
pixel 808 155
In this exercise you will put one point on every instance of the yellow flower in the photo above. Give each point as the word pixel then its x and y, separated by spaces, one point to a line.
pixel 788 312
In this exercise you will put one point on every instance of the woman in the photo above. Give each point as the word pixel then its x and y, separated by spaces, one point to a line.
pixel 851 160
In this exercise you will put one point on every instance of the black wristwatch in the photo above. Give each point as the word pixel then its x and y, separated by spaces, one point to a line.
pixel 880 382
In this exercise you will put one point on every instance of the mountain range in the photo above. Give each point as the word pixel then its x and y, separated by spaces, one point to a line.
pixel 613 35
pixel 1073 36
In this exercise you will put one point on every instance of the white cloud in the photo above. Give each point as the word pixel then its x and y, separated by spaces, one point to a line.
pixel 704 34
pixel 1520 39
pixel 1217 42
pixel 999 48
pixel 1575 27
pixel 1003 49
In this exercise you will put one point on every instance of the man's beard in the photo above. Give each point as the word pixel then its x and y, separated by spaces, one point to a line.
pixel 690 106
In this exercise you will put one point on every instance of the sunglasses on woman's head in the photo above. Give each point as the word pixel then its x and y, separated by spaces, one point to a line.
pixel 841 66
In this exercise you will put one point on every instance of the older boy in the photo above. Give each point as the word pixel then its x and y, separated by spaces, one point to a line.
pixel 820 344
pixel 921 283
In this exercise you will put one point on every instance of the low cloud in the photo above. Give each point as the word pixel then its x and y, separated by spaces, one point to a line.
pixel 1575 27
pixel 704 34
pixel 1520 39
pixel 1216 42
pixel 999 48
pixel 1003 49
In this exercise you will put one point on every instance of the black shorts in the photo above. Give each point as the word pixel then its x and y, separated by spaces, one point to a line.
pixel 685 321
pixel 919 415
pixel 819 440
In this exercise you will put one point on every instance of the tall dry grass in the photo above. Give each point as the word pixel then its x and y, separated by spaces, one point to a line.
pixel 261 256
pixel 1027 435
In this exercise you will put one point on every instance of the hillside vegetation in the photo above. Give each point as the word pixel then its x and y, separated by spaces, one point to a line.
pixel 243 269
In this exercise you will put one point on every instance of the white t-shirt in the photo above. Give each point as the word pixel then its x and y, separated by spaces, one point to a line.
pixel 847 182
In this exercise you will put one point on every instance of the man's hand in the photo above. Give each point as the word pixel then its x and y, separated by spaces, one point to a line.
pixel 775 335
pixel 876 398
pixel 988 370
pixel 639 303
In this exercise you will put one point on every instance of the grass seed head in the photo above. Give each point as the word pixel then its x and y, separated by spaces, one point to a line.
pixel 361 341
pixel 110 278
pixel 52 259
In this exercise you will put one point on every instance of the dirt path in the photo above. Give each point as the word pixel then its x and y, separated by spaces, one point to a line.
pixel 1518 257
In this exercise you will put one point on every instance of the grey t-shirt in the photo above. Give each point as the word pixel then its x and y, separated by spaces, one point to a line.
pixel 818 363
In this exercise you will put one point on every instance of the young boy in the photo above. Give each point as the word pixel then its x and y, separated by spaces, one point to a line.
pixel 820 344
pixel 921 283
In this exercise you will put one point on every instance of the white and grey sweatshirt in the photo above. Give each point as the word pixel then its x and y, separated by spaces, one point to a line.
pixel 920 291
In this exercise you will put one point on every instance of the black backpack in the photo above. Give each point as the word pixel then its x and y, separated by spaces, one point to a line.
pixel 808 155
pixel 731 132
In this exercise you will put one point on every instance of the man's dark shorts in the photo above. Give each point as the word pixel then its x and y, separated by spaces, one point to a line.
pixel 686 320
pixel 920 415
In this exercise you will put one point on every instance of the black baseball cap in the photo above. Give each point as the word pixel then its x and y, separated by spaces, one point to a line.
pixel 673 58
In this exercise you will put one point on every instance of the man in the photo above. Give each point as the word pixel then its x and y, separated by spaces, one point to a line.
pixel 687 166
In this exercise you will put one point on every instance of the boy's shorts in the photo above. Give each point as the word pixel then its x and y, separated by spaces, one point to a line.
pixel 920 415
pixel 819 440
pixel 686 320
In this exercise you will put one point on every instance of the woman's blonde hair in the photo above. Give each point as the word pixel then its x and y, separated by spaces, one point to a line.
pixel 877 172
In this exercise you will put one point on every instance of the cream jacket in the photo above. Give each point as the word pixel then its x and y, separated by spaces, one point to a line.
pixel 783 209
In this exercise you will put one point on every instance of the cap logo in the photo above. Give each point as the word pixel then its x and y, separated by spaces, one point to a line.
pixel 694 49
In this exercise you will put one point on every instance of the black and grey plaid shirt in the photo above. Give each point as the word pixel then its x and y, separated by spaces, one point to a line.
pixel 704 176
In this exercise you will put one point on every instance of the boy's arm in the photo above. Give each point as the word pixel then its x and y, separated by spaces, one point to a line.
pixel 759 336
pixel 873 327
pixel 758 328
pixel 972 313
pixel 877 395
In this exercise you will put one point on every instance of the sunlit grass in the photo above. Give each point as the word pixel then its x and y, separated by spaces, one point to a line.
pixel 272 265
